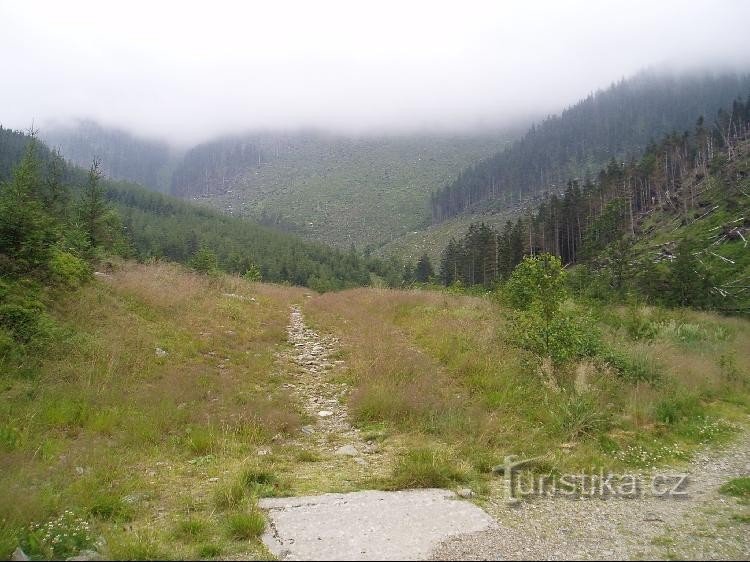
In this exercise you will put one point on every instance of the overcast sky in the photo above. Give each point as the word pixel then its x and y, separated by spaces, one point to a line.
pixel 190 70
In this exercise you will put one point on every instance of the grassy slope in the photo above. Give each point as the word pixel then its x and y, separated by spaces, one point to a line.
pixel 433 239
pixel 131 440
pixel 106 427
pixel 443 368
pixel 345 191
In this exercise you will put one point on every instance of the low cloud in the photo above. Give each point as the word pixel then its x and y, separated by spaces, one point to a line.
pixel 187 71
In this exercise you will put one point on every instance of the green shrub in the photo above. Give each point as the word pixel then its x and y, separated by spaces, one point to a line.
pixel 675 409
pixel 68 270
pixel 579 416
pixel 638 325
pixel 204 261
pixel 633 369
pixel 253 274
pixel 23 322
pixel 8 344
pixel 244 526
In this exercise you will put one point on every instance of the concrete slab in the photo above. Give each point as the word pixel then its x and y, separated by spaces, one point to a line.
pixel 370 525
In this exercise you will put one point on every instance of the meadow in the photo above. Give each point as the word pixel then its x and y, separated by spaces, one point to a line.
pixel 157 411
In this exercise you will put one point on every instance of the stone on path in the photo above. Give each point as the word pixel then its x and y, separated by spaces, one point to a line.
pixel 325 413
pixel 370 525
pixel 347 451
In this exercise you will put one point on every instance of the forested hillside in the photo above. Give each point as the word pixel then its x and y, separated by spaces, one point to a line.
pixel 123 156
pixel 672 226
pixel 619 122
pixel 335 189
pixel 148 224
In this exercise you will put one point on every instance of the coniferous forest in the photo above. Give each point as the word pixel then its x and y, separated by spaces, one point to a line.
pixel 687 179
pixel 619 122
pixel 146 224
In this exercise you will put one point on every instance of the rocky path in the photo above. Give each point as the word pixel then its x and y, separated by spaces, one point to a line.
pixel 422 524
pixel 703 524
pixel 320 395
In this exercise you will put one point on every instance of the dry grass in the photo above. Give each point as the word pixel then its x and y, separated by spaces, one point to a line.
pixel 441 367
pixel 110 429
pixel 145 446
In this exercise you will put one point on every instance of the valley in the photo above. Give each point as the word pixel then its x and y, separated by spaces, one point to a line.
pixel 340 281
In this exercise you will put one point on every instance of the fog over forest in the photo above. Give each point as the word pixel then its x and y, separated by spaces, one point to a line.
pixel 186 71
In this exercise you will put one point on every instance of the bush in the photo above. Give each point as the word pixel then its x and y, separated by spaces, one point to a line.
pixel 204 261
pixel 536 289
pixel 253 274
pixel 68 270
pixel 675 409
pixel 24 323
pixel 638 325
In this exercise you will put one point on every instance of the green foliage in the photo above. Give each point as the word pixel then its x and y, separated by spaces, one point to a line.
pixel 426 468
pixel 24 322
pixel 737 487
pixel 68 270
pixel 253 274
pixel 60 538
pixel 92 206
pixel 537 281
pixel 424 271
pixel 204 261
pixel 245 525
pixel 536 289
pixel 678 408
pixel 26 230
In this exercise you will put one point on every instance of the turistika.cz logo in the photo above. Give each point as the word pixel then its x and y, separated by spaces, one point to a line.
pixel 595 483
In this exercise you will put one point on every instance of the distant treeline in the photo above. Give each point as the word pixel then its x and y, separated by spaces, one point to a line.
pixel 619 122
pixel 160 226
pixel 122 155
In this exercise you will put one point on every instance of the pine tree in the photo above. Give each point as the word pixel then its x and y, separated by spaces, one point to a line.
pixel 424 271
pixel 26 229
pixel 93 207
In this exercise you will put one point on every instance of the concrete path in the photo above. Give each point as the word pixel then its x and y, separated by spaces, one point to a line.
pixel 370 525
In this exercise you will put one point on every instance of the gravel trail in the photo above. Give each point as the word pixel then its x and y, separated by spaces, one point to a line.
pixel 702 524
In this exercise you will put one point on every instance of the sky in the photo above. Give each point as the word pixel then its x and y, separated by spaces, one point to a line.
pixel 186 71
